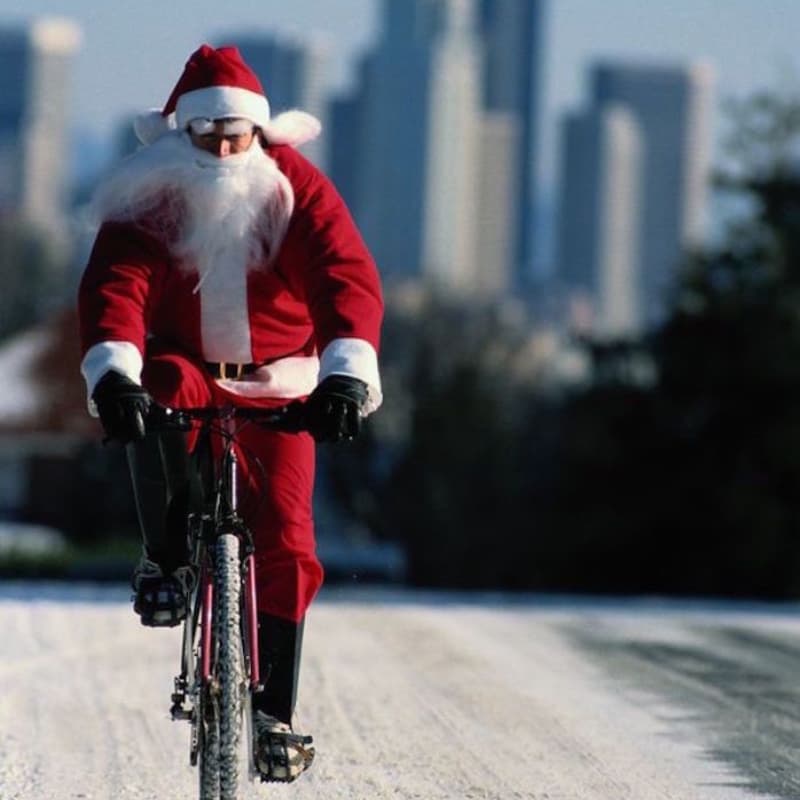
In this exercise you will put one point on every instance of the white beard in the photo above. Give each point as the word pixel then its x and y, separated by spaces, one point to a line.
pixel 214 212
pixel 219 217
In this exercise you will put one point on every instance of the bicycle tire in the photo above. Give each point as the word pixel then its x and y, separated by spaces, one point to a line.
pixel 208 746
pixel 230 676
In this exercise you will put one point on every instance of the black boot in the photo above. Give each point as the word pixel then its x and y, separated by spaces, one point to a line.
pixel 281 754
pixel 280 644
pixel 162 487
pixel 160 471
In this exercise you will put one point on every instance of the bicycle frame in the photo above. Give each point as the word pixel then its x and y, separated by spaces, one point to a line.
pixel 213 692
pixel 231 485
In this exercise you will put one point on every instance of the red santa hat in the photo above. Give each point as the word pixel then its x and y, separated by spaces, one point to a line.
pixel 217 84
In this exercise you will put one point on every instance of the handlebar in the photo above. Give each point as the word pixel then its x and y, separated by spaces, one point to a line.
pixel 289 418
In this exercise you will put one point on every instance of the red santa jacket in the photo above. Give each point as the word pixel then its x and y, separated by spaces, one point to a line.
pixel 315 311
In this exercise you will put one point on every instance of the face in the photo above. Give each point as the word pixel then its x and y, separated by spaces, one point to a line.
pixel 222 137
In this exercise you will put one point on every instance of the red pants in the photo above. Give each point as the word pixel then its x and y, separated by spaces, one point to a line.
pixel 274 498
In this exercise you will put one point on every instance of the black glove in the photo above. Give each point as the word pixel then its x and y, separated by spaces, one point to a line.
pixel 333 409
pixel 122 406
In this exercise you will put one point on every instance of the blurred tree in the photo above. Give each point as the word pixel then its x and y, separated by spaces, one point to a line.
pixel 674 470
pixel 446 466
pixel 697 475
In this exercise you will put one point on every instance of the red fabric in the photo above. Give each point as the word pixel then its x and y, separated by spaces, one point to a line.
pixel 276 472
pixel 213 67
pixel 323 284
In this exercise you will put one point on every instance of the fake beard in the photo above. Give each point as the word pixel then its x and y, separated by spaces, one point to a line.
pixel 214 212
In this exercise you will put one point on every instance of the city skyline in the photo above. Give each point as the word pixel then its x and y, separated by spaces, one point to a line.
pixel 131 55
pixel 473 107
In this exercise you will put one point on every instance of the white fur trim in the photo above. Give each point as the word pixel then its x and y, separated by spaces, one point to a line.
pixel 224 315
pixel 122 357
pixel 286 378
pixel 152 124
pixel 216 102
pixel 292 127
pixel 356 358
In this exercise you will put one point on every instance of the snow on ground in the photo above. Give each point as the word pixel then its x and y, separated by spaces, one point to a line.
pixel 408 696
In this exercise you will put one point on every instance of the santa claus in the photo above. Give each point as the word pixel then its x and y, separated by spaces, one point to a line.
pixel 227 270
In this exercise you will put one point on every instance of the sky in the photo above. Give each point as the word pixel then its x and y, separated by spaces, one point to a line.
pixel 132 53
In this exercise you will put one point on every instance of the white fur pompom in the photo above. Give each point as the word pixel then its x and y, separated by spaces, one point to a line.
pixel 151 125
pixel 292 127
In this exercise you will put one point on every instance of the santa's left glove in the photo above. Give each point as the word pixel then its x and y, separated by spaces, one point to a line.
pixel 333 409
pixel 122 406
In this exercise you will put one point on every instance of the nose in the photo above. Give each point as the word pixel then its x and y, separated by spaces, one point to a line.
pixel 223 147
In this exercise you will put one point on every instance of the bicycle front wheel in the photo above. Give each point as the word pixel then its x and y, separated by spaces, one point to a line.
pixel 230 678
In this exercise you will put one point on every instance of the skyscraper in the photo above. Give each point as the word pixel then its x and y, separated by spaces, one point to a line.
pixel 35 73
pixel 645 123
pixel 672 106
pixel 292 72
pixel 598 236
pixel 512 31
pixel 419 171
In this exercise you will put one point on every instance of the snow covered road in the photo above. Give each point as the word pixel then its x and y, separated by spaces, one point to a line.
pixel 422 696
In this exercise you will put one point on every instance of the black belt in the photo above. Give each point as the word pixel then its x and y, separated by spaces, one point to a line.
pixel 229 369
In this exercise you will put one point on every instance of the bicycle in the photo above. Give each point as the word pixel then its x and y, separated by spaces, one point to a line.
pixel 220 668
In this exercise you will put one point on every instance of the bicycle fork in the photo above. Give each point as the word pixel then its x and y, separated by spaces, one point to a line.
pixel 249 604
pixel 249 608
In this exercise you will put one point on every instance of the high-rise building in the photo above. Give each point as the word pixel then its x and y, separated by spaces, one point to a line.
pixel 672 107
pixel 512 32
pixel 648 124
pixel 345 136
pixel 35 75
pixel 497 173
pixel 423 138
pixel 444 122
pixel 292 72
pixel 598 235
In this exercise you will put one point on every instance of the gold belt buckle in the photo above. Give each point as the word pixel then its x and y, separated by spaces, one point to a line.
pixel 223 370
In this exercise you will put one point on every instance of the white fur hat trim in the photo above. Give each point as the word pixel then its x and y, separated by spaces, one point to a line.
pixel 292 127
pixel 152 124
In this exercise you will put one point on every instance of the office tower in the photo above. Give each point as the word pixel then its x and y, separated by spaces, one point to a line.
pixel 454 127
pixel 512 31
pixel 419 166
pixel 497 204
pixel 292 72
pixel 598 235
pixel 672 107
pixel 35 72
pixel 343 139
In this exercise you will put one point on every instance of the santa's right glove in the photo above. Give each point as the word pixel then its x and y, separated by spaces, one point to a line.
pixel 122 406
pixel 333 409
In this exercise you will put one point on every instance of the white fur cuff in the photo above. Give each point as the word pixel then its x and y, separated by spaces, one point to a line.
pixel 357 359
pixel 122 357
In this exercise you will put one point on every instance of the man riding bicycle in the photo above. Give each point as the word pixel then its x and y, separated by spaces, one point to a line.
pixel 227 270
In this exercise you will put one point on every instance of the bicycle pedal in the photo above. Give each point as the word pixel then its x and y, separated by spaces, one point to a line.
pixel 180 713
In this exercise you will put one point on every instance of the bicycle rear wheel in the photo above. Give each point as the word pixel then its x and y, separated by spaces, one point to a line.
pixel 230 681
